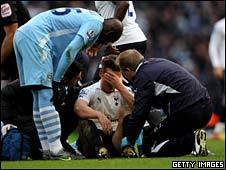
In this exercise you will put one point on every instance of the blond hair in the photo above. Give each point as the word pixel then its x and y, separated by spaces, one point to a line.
pixel 129 59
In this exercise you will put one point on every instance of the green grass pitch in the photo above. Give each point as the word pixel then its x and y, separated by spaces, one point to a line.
pixel 217 147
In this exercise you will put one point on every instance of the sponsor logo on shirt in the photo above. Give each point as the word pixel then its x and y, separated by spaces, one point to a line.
pixel 5 10
pixel 49 77
pixel 90 34
pixel 82 93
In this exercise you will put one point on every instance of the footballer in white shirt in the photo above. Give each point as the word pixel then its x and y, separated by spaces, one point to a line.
pixel 132 36
pixel 102 106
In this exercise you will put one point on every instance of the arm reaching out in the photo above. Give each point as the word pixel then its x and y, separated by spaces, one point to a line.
pixel 68 57
pixel 112 78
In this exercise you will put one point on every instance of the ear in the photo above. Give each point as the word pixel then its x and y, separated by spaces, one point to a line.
pixel 126 69
pixel 111 36
pixel 101 72
pixel 110 33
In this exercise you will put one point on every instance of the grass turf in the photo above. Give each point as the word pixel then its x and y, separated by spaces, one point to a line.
pixel 217 147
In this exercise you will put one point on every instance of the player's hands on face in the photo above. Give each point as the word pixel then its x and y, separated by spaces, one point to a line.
pixel 105 123
pixel 93 50
pixel 114 79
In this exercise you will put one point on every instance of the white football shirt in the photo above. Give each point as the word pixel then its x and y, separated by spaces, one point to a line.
pixel 131 31
pixel 109 104
pixel 217 44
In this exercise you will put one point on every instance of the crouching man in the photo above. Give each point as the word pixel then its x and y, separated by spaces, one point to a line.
pixel 163 84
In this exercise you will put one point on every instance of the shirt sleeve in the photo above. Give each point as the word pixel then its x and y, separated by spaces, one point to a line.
pixel 90 31
pixel 124 103
pixel 85 94
pixel 85 37
pixel 8 13
pixel 142 106
pixel 68 57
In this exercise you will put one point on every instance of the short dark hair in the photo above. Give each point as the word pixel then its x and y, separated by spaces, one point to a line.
pixel 110 62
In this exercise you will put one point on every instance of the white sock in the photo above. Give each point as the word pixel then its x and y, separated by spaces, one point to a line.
pixel 41 131
pixel 45 145
pixel 55 146
pixel 219 127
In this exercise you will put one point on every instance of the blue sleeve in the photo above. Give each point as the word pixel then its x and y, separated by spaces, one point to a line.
pixel 85 37
pixel 68 57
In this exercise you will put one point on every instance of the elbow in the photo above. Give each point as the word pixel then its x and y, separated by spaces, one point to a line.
pixel 125 4
pixel 10 36
pixel 77 110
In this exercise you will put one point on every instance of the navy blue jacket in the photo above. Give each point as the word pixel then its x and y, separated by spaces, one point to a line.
pixel 162 84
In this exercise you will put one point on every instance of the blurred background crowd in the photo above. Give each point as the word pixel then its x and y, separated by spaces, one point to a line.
pixel 176 30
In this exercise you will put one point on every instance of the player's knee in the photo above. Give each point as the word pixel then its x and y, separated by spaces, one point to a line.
pixel 85 127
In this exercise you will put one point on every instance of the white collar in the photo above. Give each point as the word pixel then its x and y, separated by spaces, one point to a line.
pixel 138 67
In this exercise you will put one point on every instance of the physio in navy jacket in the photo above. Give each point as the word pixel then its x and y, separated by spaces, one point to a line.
pixel 163 84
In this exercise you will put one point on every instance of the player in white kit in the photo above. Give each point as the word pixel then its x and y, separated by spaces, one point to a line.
pixel 217 58
pixel 103 106
pixel 132 36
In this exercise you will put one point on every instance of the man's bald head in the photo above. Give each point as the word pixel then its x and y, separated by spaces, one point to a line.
pixel 111 32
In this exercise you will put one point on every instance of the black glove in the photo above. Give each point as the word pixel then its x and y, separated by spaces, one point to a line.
pixel 59 93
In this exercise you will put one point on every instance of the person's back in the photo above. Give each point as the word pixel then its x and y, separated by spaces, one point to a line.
pixel 14 109
pixel 132 36
pixel 17 110
pixel 42 61
pixel 172 83
pixel 57 28
pixel 131 30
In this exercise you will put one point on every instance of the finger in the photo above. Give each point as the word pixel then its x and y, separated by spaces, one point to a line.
pixel 95 52
pixel 110 75
pixel 90 53
pixel 107 78
pixel 105 131
pixel 104 128
pixel 109 127
pixel 110 130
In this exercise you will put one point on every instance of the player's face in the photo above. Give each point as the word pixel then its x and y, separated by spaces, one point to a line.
pixel 106 85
